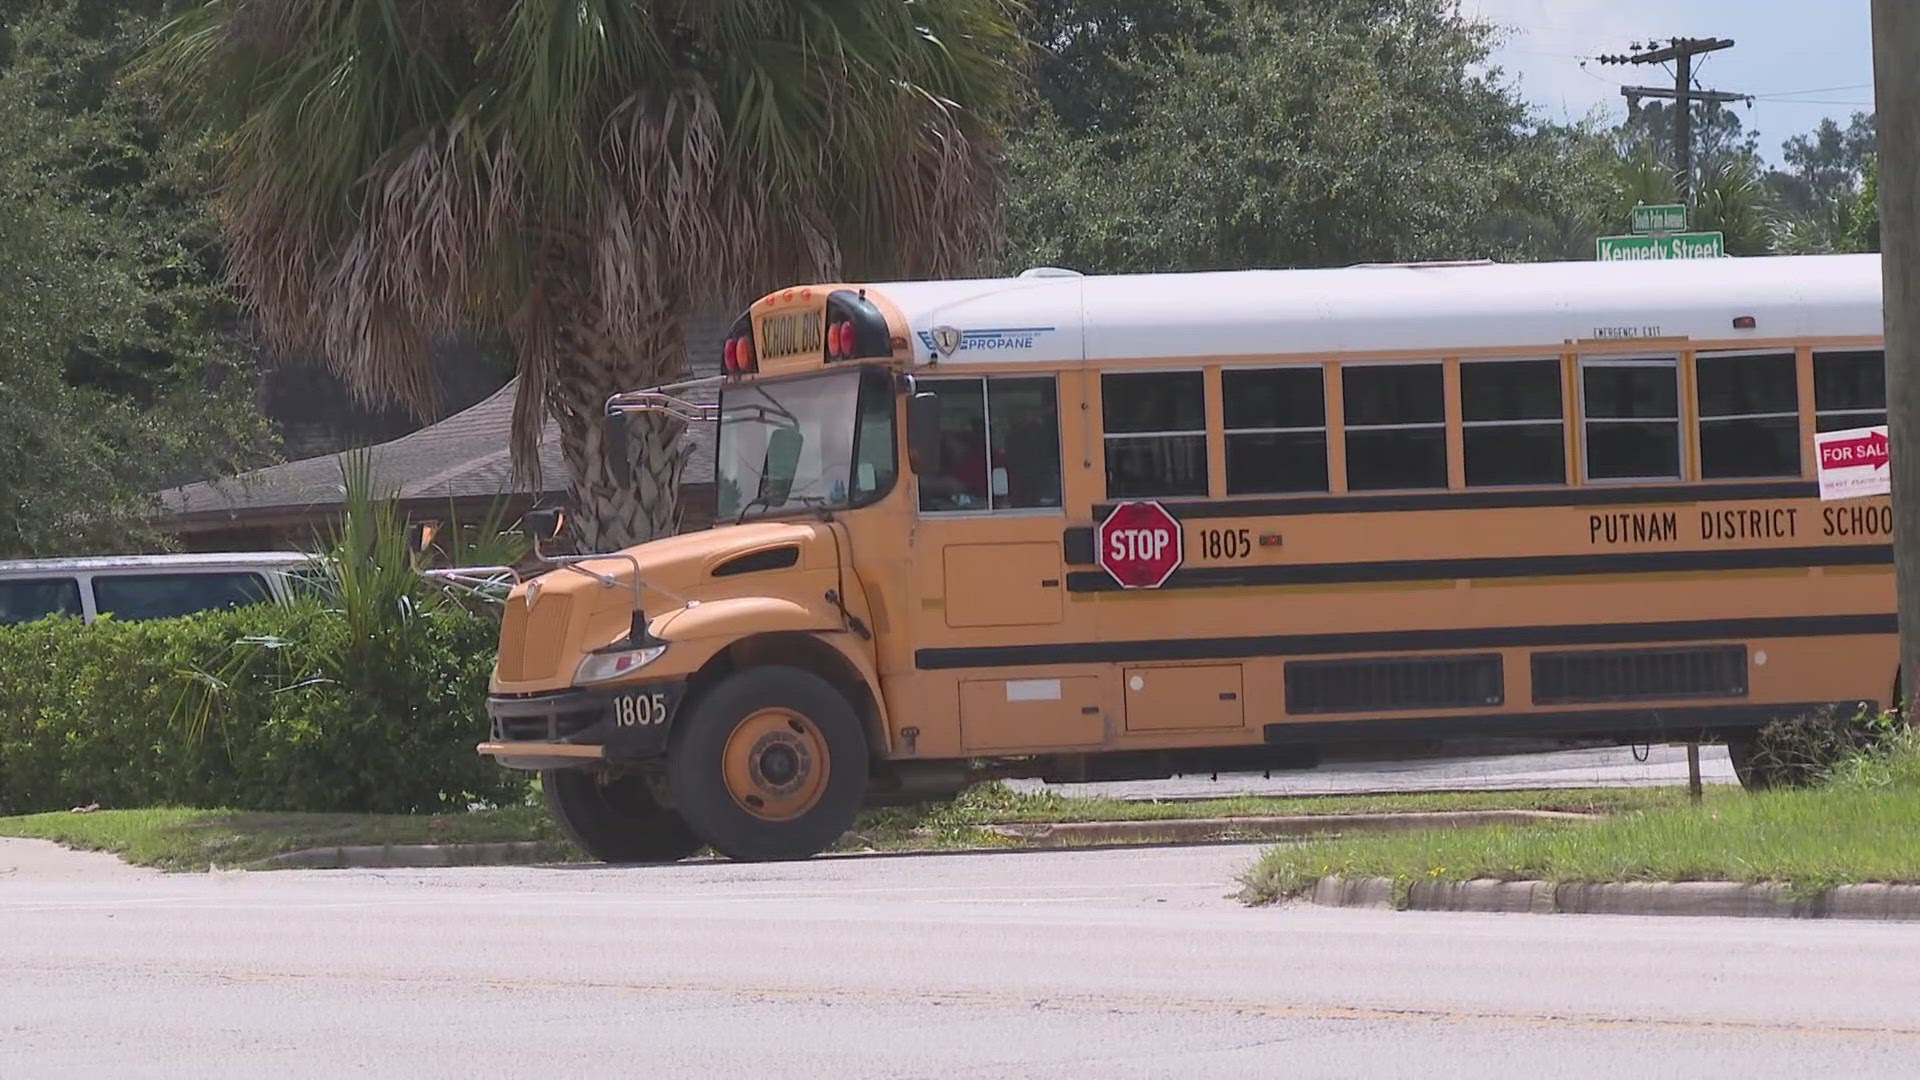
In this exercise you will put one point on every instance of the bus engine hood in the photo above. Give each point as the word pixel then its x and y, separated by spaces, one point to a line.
pixel 551 622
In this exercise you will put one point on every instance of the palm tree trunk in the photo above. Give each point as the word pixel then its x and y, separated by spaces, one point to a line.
pixel 1896 42
pixel 610 513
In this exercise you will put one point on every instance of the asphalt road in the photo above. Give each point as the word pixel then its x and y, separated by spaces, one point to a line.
pixel 1108 964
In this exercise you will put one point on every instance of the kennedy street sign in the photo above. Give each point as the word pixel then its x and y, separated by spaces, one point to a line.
pixel 1695 245
pixel 1659 219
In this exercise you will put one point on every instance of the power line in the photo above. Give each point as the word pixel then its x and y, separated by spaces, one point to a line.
pixel 1814 90
pixel 1679 51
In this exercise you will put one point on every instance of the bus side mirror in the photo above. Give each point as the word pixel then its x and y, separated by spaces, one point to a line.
pixel 782 462
pixel 543 525
pixel 614 445
pixel 420 537
pixel 923 432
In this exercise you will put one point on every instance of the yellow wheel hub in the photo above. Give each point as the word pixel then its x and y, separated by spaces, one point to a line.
pixel 776 764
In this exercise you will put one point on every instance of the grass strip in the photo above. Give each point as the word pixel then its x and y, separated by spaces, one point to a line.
pixel 962 823
pixel 185 839
pixel 1863 825
pixel 180 839
pixel 998 804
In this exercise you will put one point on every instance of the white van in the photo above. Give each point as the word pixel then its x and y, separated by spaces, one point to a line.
pixel 143 586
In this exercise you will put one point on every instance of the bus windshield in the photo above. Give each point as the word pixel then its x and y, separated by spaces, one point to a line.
pixel 820 442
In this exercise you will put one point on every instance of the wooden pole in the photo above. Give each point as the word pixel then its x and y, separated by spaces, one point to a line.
pixel 1896 76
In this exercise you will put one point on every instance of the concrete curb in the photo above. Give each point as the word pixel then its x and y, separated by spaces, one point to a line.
pixel 1045 834
pixel 1724 899
pixel 509 852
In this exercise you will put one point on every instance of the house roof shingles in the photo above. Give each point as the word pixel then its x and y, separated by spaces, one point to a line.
pixel 464 456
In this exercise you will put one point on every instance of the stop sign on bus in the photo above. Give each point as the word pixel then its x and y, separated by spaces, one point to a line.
pixel 1139 545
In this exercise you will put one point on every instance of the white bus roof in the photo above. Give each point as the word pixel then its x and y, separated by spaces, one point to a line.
pixel 1429 308
pixel 91 564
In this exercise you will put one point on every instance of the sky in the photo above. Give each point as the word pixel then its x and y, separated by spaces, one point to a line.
pixel 1802 59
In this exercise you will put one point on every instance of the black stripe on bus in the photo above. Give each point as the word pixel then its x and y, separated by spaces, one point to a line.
pixel 1481 499
pixel 1637 562
pixel 1396 641
pixel 1682 722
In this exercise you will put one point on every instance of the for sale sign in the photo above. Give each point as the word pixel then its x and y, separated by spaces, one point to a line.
pixel 1139 545
pixel 1853 463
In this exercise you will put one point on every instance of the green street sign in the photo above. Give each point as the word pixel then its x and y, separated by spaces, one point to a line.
pixel 1659 219
pixel 1696 245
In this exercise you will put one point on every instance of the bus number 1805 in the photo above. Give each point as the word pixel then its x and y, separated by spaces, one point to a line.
pixel 1226 543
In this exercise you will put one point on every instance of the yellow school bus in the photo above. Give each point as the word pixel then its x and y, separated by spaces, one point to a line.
pixel 1115 527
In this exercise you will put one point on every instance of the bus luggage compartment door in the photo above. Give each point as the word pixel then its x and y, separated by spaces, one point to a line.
pixel 1003 584
pixel 1183 698
pixel 1020 714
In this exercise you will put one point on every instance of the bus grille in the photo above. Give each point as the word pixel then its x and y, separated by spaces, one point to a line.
pixel 556 727
pixel 1394 683
pixel 1571 678
pixel 530 641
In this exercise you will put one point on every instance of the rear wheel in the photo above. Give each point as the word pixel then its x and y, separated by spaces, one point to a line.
pixel 1755 771
pixel 769 764
pixel 616 819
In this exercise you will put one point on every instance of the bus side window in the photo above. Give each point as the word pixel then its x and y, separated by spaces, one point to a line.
pixel 1002 445
pixel 1024 414
pixel 1749 415
pixel 1632 412
pixel 1276 425
pixel 1849 390
pixel 1156 433
pixel 1396 426
pixel 961 483
pixel 1513 422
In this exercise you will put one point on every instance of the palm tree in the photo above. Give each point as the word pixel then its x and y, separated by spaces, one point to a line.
pixel 576 175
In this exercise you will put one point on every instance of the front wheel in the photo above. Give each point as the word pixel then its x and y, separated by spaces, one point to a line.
pixel 616 819
pixel 770 764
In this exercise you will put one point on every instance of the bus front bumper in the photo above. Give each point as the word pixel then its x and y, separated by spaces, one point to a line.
pixel 571 728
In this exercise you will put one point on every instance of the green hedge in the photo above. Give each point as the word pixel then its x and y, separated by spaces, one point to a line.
pixel 267 708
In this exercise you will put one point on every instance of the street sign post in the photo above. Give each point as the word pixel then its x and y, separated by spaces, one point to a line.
pixel 1853 463
pixel 1139 545
pixel 1660 219
pixel 1700 245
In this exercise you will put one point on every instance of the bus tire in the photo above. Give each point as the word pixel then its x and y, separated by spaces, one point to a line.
pixel 1754 771
pixel 616 820
pixel 770 764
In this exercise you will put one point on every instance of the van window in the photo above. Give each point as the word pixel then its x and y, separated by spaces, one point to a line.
pixel 167 596
pixel 28 600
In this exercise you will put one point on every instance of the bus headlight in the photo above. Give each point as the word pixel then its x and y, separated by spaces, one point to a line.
pixel 601 666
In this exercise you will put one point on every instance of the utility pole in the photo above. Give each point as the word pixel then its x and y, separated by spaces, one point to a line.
pixel 1681 51
pixel 1896 84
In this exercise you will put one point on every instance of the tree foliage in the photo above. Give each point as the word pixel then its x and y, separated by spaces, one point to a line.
pixel 579 174
pixel 1827 192
pixel 1282 133
pixel 1824 165
pixel 1226 133
pixel 120 368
